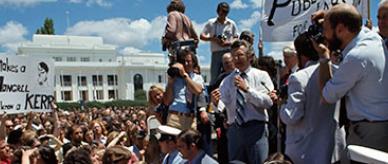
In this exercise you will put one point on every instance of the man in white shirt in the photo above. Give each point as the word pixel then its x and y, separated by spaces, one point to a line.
pixel 221 32
pixel 245 94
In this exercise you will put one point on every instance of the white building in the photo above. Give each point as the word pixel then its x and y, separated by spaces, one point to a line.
pixel 87 69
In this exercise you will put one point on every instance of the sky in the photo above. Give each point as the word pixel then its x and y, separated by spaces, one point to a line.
pixel 132 25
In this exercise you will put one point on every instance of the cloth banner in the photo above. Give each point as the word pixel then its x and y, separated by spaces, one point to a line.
pixel 284 20
pixel 26 84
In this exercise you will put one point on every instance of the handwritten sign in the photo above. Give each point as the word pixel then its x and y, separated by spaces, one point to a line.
pixel 26 84
pixel 284 20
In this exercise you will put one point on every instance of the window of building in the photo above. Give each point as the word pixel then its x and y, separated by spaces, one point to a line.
pixel 85 59
pixel 65 80
pixel 160 79
pixel 112 94
pixel 84 95
pixel 138 82
pixel 100 94
pixel 71 59
pixel 57 59
pixel 100 60
pixel 97 80
pixel 82 81
pixel 67 95
pixel 112 80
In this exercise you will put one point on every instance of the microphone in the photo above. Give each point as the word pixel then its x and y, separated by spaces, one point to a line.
pixel 262 83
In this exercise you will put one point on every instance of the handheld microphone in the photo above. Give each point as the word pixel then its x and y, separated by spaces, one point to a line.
pixel 262 83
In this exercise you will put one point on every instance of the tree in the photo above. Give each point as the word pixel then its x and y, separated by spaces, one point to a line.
pixel 48 27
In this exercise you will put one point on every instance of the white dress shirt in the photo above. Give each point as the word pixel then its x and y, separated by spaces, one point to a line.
pixel 257 98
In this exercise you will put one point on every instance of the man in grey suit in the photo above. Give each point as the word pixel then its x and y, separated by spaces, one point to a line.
pixel 313 133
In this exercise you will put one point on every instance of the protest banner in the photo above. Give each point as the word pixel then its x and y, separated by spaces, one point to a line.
pixel 284 20
pixel 26 84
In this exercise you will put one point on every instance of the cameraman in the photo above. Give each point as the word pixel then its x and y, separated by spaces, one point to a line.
pixel 362 76
pixel 313 133
pixel 179 27
pixel 182 87
pixel 221 32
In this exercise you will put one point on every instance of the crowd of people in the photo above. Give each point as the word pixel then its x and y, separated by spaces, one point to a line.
pixel 329 95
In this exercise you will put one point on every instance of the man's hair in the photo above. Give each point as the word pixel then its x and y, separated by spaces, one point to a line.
pixel 182 55
pixel 290 49
pixel 226 55
pixel 191 136
pixel 278 158
pixel 223 5
pixel 176 5
pixel 78 156
pixel 116 153
pixel 70 131
pixel 304 47
pixel 47 154
pixel 268 64
pixel 248 47
pixel 248 36
pixel 383 3
pixel 28 138
pixel 347 15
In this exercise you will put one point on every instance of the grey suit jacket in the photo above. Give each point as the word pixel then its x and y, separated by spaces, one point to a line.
pixel 313 134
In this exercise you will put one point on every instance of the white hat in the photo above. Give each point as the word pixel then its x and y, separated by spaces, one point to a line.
pixel 367 155
pixel 167 133
pixel 164 129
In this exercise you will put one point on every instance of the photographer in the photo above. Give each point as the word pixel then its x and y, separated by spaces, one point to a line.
pixel 221 32
pixel 311 126
pixel 182 87
pixel 179 27
pixel 362 76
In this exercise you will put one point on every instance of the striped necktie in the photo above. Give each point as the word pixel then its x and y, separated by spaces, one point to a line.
pixel 240 111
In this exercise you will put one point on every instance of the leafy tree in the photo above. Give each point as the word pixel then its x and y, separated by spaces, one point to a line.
pixel 48 27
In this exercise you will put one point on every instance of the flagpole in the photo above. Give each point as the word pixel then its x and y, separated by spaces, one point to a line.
pixel 368 22
pixel 260 44
pixel 369 10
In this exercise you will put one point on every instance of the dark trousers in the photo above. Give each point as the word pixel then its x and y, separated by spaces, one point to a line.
pixel 368 134
pixel 205 130
pixel 248 143
pixel 222 146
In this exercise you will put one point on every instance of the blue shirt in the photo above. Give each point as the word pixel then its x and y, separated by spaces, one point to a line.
pixel 362 78
pixel 202 158
pixel 181 92
pixel 173 158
